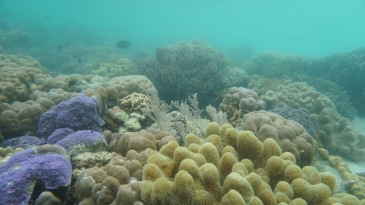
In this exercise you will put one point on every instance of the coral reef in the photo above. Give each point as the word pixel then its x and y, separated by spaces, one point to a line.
pixel 23 142
pixel 126 85
pixel 290 135
pixel 116 183
pixel 21 118
pixel 184 68
pixel 238 169
pixel 340 75
pixel 335 132
pixel 83 141
pixel 87 160
pixel 48 163
pixel 347 70
pixel 14 38
pixel 119 121
pixel 122 67
pixel 239 101
pixel 261 85
pixel 133 103
pixel 138 141
pixel 79 113
pixel 5 153
pixel 235 76
pixel 297 115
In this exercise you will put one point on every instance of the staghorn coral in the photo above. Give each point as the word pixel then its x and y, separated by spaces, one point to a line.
pixel 184 68
pixel 238 169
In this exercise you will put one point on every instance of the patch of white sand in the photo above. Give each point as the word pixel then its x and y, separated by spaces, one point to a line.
pixel 357 167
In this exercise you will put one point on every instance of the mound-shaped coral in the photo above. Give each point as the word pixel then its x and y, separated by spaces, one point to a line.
pixel 230 167
pixel 297 115
pixel 290 135
pixel 126 85
pixel 239 101
pixel 335 132
pixel 138 141
pixel 116 183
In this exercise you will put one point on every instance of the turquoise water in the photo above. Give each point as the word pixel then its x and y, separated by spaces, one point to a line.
pixel 309 28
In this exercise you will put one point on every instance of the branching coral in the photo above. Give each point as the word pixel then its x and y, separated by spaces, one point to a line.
pixel 182 69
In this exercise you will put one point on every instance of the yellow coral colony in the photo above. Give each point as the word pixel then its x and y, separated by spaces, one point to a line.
pixel 234 168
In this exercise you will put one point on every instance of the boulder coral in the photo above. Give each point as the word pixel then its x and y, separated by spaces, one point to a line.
pixel 297 115
pixel 237 170
pixel 138 141
pixel 21 118
pixel 239 101
pixel 126 85
pixel 290 135
pixel 334 131
pixel 116 183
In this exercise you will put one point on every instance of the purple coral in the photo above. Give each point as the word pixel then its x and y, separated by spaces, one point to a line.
pixel 58 135
pixel 83 139
pixel 297 115
pixel 19 174
pixel 79 113
pixel 23 142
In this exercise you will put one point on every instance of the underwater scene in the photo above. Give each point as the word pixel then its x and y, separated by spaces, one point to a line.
pixel 167 102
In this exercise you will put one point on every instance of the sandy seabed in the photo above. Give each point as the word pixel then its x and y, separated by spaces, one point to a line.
pixel 357 167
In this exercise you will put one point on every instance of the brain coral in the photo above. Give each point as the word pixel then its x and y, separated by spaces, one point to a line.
pixel 48 163
pixel 230 167
pixel 335 132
